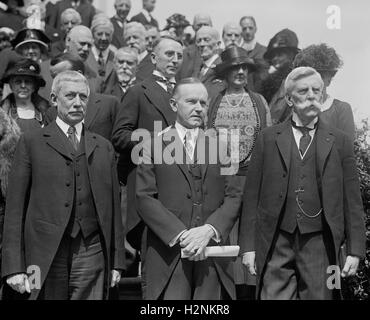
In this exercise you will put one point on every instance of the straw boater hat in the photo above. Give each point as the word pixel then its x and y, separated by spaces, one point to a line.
pixel 24 67
pixel 31 35
pixel 231 57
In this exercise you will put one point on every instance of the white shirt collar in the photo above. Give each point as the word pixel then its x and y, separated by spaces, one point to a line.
pixel 96 52
pixel 249 46
pixel 181 130
pixel 64 127
pixel 163 85
pixel 147 15
pixel 298 121
pixel 298 134
pixel 211 60
pixel 327 104
pixel 142 55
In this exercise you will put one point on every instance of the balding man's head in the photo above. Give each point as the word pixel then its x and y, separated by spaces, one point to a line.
pixel 208 42
pixel 167 56
pixel 69 18
pixel 200 20
pixel 231 34
pixel 134 36
pixel 79 42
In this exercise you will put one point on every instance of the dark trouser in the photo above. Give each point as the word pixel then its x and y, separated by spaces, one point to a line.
pixel 297 268
pixel 194 281
pixel 77 271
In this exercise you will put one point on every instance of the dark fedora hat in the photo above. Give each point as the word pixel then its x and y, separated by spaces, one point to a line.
pixel 24 67
pixel 234 56
pixel 31 35
pixel 284 40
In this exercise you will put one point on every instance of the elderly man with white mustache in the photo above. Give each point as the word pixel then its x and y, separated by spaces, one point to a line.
pixel 302 202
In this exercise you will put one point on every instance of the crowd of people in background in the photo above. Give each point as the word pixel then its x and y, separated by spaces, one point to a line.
pixel 130 74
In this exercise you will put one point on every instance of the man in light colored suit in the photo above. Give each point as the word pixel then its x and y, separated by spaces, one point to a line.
pixel 302 201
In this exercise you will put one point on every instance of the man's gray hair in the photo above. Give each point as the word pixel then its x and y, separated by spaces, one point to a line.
pixel 127 50
pixel 71 76
pixel 101 20
pixel 297 74
pixel 212 32
pixel 134 25
pixel 73 12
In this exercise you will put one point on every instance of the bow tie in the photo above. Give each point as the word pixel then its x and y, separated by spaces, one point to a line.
pixel 170 85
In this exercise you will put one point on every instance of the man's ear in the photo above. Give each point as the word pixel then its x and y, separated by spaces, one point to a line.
pixel 53 99
pixel 173 104
pixel 288 100
pixel 152 57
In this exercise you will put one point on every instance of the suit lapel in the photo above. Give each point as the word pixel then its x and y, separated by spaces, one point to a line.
pixel 160 100
pixel 90 143
pixel 325 140
pixel 54 139
pixel 283 141
pixel 179 146
pixel 92 110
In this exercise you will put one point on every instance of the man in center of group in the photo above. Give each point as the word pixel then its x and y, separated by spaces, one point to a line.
pixel 142 105
pixel 186 224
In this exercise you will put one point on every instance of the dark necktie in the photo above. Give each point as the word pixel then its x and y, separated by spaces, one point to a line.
pixel 101 63
pixel 72 137
pixel 305 140
pixel 168 83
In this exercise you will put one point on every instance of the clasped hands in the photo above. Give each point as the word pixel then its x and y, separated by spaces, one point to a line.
pixel 194 241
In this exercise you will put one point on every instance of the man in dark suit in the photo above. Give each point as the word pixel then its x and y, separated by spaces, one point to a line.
pixel 145 17
pixel 83 7
pixel 119 20
pixel 79 42
pixel 142 105
pixel 192 59
pixel 101 109
pixel 101 56
pixel 255 51
pixel 134 37
pixel 208 42
pixel 185 225
pixel 301 201
pixel 63 214
pixel 69 18
pixel 123 75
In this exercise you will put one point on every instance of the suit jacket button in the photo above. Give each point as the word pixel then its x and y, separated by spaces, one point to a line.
pixel 66 204
pixel 188 196
pixel 68 184
pixel 68 163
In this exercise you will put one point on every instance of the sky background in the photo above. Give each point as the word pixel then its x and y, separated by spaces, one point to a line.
pixel 307 18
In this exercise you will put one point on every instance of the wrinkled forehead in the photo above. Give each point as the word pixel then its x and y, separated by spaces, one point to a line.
pixel 69 17
pixel 134 31
pixel 103 28
pixel 192 91
pixel 168 45
pixel 232 29
pixel 207 33
pixel 247 22
pixel 121 2
pixel 126 56
pixel 82 35
pixel 204 20
pixel 313 80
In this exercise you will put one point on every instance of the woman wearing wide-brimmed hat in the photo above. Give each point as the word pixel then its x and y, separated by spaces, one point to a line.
pixel 32 44
pixel 233 106
pixel 24 105
pixel 327 62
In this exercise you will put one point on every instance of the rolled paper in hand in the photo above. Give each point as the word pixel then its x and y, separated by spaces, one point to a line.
pixel 217 251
